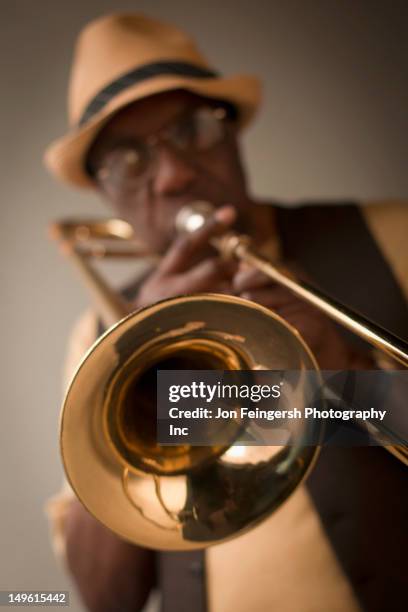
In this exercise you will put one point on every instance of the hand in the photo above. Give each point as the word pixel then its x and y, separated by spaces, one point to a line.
pixel 318 331
pixel 189 266
pixel 111 574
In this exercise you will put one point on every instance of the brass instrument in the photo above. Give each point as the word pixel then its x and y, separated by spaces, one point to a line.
pixel 184 497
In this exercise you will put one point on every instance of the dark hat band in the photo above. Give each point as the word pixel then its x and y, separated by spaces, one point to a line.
pixel 140 74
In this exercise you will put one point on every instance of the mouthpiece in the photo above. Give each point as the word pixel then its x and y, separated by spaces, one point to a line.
pixel 191 217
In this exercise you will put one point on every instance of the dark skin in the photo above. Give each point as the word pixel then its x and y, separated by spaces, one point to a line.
pixel 176 179
pixel 188 265
pixel 112 574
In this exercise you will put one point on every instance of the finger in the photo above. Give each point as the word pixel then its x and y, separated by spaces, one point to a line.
pixel 208 275
pixel 272 297
pixel 179 256
pixel 223 287
pixel 298 306
pixel 248 278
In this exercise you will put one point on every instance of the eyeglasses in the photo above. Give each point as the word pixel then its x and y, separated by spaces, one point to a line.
pixel 130 163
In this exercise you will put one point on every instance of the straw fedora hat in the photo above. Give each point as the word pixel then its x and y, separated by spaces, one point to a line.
pixel 122 58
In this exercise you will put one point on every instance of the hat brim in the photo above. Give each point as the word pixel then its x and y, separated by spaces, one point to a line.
pixel 65 157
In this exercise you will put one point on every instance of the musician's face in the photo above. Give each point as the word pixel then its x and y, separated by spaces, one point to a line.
pixel 161 153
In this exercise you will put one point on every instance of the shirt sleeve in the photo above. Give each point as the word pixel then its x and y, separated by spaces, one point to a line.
pixel 82 337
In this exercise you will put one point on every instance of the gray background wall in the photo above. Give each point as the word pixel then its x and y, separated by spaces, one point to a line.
pixel 334 123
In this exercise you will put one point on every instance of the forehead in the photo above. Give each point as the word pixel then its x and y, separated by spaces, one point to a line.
pixel 150 114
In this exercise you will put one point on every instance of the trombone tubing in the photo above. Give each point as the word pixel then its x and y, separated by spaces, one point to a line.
pixel 375 335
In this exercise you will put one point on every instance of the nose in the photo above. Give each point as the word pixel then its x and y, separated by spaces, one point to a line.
pixel 174 175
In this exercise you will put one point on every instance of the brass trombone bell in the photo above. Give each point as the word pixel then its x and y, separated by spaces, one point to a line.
pixel 179 497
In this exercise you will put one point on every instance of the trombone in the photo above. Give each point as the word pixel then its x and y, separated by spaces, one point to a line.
pixel 184 497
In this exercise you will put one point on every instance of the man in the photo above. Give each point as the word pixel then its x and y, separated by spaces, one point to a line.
pixel 154 128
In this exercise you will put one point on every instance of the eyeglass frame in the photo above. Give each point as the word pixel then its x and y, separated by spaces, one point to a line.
pixel 224 112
